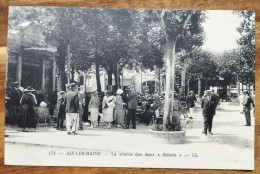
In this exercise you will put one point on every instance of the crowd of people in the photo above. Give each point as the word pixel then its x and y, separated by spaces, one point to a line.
pixel 116 109
pixel 22 103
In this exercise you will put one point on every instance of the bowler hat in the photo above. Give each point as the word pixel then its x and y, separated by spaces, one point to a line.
pixel 29 89
pixel 61 92
pixel 72 85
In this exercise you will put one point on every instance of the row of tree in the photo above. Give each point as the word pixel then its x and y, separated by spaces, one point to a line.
pixel 112 38
pixel 221 69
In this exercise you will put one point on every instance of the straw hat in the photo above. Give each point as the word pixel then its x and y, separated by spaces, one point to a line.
pixel 61 92
pixel 119 91
pixel 29 89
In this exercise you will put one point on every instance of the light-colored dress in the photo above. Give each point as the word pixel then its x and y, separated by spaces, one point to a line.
pixel 241 100
pixel 108 111
pixel 93 108
pixel 119 110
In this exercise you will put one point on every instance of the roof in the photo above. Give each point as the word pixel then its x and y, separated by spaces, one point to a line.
pixel 27 35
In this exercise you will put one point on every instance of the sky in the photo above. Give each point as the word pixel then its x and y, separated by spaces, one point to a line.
pixel 220 28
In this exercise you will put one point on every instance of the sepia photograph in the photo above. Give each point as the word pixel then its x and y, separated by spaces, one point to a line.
pixel 137 88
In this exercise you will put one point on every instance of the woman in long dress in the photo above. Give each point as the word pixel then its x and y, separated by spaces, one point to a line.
pixel 119 108
pixel 28 102
pixel 108 109
pixel 93 108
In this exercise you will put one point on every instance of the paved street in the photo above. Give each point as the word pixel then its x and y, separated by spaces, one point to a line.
pixel 232 145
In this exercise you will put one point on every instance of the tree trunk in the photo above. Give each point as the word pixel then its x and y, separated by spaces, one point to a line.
pixel 238 88
pixel 188 87
pixel 117 78
pixel 249 90
pixel 168 86
pixel 109 78
pixel 175 118
pixel 62 51
pixel 199 86
pixel 170 73
pixel 98 78
pixel 68 60
pixel 72 74
pixel 229 90
pixel 159 79
pixel 61 79
pixel 183 77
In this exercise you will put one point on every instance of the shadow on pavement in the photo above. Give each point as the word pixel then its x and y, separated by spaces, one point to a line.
pixel 12 136
pixel 87 135
pixel 233 140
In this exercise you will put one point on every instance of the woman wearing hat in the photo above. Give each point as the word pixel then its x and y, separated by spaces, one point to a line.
pixel 108 109
pixel 28 102
pixel 119 108
pixel 93 108
pixel 190 101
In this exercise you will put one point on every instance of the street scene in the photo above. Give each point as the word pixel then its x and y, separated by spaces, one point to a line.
pixel 158 88
pixel 231 137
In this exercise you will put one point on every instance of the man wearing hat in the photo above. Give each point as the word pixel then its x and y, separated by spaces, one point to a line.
pixel 156 97
pixel 190 100
pixel 207 105
pixel 15 96
pixel 72 107
pixel 132 98
pixel 247 107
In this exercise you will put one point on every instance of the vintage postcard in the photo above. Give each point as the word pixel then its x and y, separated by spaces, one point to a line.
pixel 142 88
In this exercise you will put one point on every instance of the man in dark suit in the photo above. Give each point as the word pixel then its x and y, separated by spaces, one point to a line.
pixel 72 107
pixel 15 96
pixel 132 98
pixel 215 100
pixel 208 110
pixel 247 107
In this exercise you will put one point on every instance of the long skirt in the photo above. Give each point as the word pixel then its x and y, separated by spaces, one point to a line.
pixel 29 118
pixel 93 114
pixel 120 115
pixel 108 114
